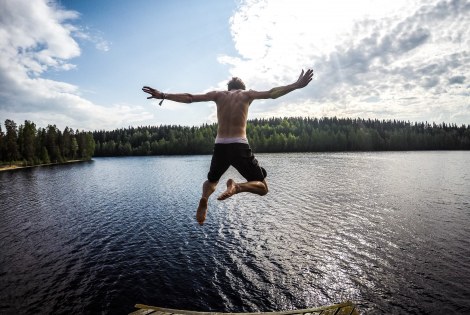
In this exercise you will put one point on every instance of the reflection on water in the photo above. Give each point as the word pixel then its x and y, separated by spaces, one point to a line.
pixel 390 231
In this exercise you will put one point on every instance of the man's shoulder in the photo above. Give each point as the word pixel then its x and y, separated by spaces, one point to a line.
pixel 233 97
pixel 236 93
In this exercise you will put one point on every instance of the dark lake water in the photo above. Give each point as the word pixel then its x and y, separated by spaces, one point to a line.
pixel 389 231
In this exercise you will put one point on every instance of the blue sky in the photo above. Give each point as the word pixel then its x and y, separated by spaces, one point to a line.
pixel 83 63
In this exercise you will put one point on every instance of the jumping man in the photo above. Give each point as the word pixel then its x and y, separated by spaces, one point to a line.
pixel 231 145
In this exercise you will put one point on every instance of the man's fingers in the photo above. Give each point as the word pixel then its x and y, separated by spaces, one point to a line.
pixel 148 89
pixel 305 77
pixel 309 74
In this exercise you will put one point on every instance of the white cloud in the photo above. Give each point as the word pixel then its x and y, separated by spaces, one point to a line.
pixel 37 36
pixel 403 59
pixel 377 59
pixel 86 34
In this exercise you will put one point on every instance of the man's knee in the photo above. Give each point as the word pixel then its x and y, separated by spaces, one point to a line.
pixel 265 189
pixel 210 185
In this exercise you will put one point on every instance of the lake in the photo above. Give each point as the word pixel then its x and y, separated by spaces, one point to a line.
pixel 389 231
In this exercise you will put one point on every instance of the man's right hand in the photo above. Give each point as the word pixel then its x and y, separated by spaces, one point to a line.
pixel 154 93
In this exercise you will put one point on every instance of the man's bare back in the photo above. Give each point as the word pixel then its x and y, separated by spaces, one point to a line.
pixel 232 114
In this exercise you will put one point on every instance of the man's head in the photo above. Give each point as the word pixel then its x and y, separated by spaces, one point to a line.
pixel 236 84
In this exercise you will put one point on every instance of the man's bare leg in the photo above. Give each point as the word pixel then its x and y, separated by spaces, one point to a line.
pixel 207 189
pixel 255 187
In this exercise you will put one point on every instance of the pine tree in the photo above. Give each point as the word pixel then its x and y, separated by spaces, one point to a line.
pixel 11 141
pixel 29 143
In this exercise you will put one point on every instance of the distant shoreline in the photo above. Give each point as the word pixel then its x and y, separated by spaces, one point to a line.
pixel 19 167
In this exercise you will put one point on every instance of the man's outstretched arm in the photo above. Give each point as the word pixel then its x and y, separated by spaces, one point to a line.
pixel 303 80
pixel 179 97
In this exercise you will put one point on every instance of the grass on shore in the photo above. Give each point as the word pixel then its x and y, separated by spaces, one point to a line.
pixel 20 165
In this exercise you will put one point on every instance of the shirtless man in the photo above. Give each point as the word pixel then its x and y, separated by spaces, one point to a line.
pixel 231 145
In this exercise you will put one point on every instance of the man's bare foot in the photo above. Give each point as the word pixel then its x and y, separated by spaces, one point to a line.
pixel 201 211
pixel 232 189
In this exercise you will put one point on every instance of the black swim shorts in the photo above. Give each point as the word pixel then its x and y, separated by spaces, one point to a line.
pixel 238 155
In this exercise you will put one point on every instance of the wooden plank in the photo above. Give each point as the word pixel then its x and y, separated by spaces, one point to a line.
pixel 347 310
pixel 323 310
pixel 355 311
pixel 142 312
pixel 330 311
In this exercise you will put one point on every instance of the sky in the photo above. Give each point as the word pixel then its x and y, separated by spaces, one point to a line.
pixel 82 64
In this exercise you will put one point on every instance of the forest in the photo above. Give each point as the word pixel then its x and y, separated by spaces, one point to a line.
pixel 288 135
pixel 27 145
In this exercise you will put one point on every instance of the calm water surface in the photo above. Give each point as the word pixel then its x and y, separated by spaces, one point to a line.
pixel 390 231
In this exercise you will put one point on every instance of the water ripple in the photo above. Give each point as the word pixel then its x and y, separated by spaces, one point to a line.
pixel 389 231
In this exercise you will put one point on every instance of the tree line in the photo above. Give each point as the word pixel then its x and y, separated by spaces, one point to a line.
pixel 29 145
pixel 288 135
